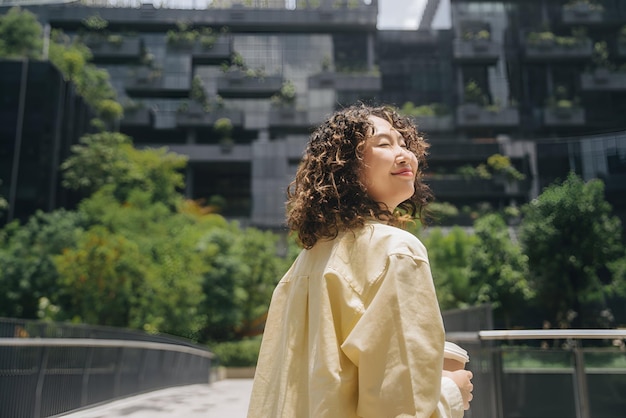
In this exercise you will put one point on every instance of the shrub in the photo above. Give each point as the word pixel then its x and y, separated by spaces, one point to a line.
pixel 242 353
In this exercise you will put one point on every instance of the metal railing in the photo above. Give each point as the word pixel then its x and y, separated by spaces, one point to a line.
pixel 503 391
pixel 43 377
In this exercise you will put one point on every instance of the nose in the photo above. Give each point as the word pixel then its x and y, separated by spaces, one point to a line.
pixel 402 157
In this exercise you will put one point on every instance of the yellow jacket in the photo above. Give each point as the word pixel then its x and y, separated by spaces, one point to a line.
pixel 354 330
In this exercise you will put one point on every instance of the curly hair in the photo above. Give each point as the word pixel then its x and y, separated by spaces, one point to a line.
pixel 327 194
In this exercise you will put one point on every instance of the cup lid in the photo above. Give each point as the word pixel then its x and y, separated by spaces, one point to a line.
pixel 453 351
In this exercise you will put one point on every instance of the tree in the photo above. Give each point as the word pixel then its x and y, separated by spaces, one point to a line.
pixel 498 270
pixel 146 251
pixel 574 249
pixel 28 273
pixel 20 34
pixel 100 276
pixel 261 271
pixel 449 256
pixel 110 159
pixel 219 284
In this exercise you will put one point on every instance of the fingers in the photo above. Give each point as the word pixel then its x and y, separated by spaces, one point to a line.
pixel 469 387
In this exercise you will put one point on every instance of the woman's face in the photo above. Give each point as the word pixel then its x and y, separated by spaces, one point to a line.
pixel 389 168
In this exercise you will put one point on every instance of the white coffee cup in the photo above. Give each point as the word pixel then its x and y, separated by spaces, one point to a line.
pixel 454 357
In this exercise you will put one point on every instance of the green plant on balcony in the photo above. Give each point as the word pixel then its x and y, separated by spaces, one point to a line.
pixel 500 165
pixel 476 35
pixel 428 110
pixel 237 64
pixel 96 28
pixel 497 167
pixel 547 39
pixel 223 127
pixel 600 56
pixel 115 39
pixel 473 94
pixel 185 35
pixel 286 97
pixel 326 63
pixel 583 6
pixel 561 103
pixel 95 23
pixel 198 93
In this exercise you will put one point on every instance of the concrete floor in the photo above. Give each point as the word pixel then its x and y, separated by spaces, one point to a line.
pixel 224 398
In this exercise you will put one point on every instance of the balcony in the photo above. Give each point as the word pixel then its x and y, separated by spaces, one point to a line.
pixel 142 117
pixel 582 14
pixel 428 124
pixel 321 19
pixel 111 51
pixel 479 51
pixel 470 115
pixel 288 117
pixel 196 117
pixel 237 84
pixel 456 186
pixel 462 151
pixel 217 53
pixel 603 80
pixel 563 116
pixel 148 82
pixel 559 49
pixel 345 81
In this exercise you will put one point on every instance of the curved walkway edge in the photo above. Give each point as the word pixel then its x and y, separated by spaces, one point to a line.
pixel 224 398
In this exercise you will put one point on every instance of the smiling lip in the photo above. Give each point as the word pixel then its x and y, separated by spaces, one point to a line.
pixel 406 172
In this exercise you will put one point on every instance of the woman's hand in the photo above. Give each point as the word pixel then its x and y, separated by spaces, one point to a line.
pixel 462 378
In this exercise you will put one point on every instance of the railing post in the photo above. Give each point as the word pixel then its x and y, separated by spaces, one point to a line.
pixel 85 381
pixel 581 393
pixel 41 377
pixel 496 358
pixel 118 372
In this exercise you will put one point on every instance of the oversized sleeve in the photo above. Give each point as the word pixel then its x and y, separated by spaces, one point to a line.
pixel 397 346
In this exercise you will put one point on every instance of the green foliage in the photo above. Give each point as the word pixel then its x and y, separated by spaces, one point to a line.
pixel 547 39
pixel 28 273
pixel 223 127
pixel 110 110
pixel 497 165
pixel 442 210
pixel 244 353
pixel 588 4
pixel 95 23
pixel 449 255
pixel 110 159
pixel 20 34
pixel 93 84
pixel 287 94
pixel 244 268
pixel 501 165
pixel 433 109
pixel 600 55
pixel 99 276
pixel 185 35
pixel 480 35
pixel 151 250
pixel 198 93
pixel 474 94
pixel 498 270
pixel 574 248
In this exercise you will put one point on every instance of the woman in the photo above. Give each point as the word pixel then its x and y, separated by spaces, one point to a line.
pixel 354 328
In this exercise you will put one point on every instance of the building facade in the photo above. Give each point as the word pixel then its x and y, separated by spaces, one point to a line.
pixel 499 84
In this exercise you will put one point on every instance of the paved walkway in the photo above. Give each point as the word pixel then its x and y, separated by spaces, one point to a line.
pixel 225 398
